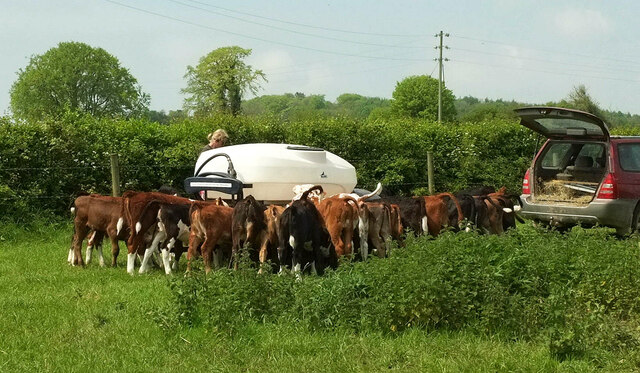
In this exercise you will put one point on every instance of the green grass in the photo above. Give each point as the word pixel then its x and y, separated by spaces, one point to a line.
pixel 54 317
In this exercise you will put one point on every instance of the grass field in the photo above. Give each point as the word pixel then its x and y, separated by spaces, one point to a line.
pixel 54 317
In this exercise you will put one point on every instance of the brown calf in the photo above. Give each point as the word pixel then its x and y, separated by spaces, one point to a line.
pixel 269 241
pixel 100 214
pixel 492 222
pixel 396 223
pixel 248 226
pixel 341 217
pixel 210 226
pixel 437 214
pixel 379 227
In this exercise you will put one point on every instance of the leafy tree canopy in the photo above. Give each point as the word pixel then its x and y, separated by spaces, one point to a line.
pixel 357 106
pixel 295 106
pixel 417 97
pixel 487 110
pixel 580 99
pixel 219 81
pixel 163 117
pixel 79 78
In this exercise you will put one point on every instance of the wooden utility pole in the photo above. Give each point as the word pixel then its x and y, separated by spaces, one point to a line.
pixel 430 171
pixel 440 74
pixel 115 175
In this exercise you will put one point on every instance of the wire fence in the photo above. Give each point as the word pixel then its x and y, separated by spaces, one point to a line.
pixel 185 166
pixel 128 169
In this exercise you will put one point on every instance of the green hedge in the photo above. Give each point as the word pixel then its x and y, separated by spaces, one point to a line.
pixel 580 291
pixel 43 165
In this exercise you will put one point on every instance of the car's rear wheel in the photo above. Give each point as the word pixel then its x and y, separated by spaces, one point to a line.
pixel 635 223
pixel 541 224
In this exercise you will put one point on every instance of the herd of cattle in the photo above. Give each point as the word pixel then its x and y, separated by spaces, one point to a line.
pixel 313 231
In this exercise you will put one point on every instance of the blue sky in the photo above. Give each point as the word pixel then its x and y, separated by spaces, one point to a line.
pixel 529 51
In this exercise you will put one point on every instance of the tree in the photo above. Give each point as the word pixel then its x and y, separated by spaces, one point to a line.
pixel 579 99
pixel 357 106
pixel 219 80
pixel 417 96
pixel 76 77
pixel 288 106
pixel 488 110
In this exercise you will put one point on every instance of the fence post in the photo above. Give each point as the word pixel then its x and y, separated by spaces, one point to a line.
pixel 115 175
pixel 430 171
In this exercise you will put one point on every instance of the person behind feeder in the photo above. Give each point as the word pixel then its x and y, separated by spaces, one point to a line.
pixel 217 139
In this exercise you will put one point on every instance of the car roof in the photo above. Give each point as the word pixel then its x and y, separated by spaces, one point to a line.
pixel 626 138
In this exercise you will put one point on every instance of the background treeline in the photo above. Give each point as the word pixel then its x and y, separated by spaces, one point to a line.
pixel 292 107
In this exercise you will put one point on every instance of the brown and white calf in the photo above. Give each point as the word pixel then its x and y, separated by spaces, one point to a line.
pixel 509 207
pixel 102 215
pixel 443 210
pixel 141 212
pixel 363 217
pixel 175 221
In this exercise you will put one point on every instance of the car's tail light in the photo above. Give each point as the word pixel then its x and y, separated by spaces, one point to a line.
pixel 608 188
pixel 526 187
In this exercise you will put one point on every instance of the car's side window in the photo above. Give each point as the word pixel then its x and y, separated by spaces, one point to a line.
pixel 629 155
pixel 554 157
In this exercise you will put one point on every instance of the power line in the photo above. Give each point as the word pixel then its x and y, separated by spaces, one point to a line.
pixel 334 59
pixel 545 50
pixel 256 38
pixel 295 31
pixel 434 68
pixel 544 71
pixel 344 74
pixel 310 26
pixel 298 71
pixel 543 60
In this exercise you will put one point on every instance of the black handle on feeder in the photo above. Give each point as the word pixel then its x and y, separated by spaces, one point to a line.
pixel 230 170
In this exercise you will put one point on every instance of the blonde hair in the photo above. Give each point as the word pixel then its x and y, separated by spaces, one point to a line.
pixel 219 134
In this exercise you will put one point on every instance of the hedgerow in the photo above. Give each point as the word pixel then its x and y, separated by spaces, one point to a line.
pixel 580 291
pixel 43 165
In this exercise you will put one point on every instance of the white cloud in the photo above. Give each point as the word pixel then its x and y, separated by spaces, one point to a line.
pixel 517 59
pixel 582 23
pixel 272 60
pixel 319 79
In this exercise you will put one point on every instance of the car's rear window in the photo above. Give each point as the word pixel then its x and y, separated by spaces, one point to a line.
pixel 570 126
pixel 629 155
